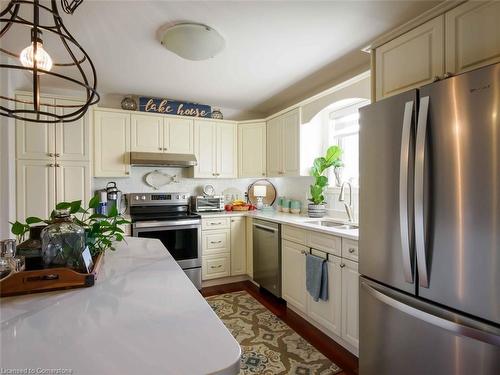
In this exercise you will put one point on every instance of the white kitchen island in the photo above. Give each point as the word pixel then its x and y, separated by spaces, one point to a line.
pixel 143 316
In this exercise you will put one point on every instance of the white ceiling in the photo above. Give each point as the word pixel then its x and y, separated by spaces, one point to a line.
pixel 276 51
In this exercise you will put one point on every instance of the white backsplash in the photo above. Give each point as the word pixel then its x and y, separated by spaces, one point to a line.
pixel 290 187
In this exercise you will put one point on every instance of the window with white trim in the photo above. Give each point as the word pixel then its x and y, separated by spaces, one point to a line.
pixel 344 132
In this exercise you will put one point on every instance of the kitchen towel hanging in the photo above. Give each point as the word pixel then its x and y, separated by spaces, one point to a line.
pixel 317 277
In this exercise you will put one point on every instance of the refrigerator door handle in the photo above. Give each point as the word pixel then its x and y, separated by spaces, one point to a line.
pixel 423 275
pixel 443 319
pixel 403 192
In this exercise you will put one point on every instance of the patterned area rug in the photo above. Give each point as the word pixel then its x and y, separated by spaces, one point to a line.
pixel 268 345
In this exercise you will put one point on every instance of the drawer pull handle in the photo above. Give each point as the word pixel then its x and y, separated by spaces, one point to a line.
pixel 218 223
pixel 215 242
pixel 219 266
pixel 352 250
pixel 342 265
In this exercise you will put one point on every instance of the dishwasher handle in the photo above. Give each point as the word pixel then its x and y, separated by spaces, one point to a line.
pixel 263 227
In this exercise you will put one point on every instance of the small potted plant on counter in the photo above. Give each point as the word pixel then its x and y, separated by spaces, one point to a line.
pixel 317 207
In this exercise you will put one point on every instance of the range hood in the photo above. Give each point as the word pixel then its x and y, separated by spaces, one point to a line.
pixel 155 159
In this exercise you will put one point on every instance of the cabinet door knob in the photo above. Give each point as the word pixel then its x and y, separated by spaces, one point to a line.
pixel 127 173
pixel 57 155
pixel 352 250
pixel 57 165
pixel 342 265
pixel 50 154
pixel 50 165
pixel 165 149
pixel 159 148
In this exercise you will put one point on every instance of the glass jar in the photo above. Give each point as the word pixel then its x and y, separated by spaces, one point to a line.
pixel 63 243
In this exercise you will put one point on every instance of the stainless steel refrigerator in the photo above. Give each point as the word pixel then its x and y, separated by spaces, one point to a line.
pixel 430 229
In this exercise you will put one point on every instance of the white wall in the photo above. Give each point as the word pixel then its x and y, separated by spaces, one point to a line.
pixel 9 82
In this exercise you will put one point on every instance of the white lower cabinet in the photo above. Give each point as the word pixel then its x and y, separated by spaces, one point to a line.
pixel 215 266
pixel 329 313
pixel 238 246
pixel 223 241
pixel 338 316
pixel 350 302
pixel 293 283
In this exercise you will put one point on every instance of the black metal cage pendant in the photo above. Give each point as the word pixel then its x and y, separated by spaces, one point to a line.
pixel 76 71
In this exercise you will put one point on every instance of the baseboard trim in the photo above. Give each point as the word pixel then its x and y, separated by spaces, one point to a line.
pixel 224 280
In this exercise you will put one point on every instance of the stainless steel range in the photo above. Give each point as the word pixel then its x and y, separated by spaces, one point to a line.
pixel 167 217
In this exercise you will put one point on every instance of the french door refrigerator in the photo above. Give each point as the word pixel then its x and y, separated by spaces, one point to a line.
pixel 430 229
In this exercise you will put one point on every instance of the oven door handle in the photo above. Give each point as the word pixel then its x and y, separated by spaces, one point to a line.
pixel 166 226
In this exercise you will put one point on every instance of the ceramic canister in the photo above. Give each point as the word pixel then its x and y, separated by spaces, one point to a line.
pixel 295 207
pixel 279 203
pixel 285 205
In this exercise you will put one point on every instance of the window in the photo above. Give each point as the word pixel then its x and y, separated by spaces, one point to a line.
pixel 344 132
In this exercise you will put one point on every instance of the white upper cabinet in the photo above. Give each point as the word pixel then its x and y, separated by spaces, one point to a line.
pixel 147 133
pixel 111 143
pixel 227 158
pixel 178 137
pixel 35 140
pixel 274 147
pixel 215 146
pixel 252 149
pixel 160 133
pixel 411 60
pixel 205 148
pixel 283 145
pixel 72 138
pixel 472 36
pixel 291 143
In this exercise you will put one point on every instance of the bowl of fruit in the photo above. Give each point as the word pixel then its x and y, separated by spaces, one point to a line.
pixel 239 205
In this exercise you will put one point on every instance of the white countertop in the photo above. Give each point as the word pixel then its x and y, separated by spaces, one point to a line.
pixel 143 316
pixel 296 220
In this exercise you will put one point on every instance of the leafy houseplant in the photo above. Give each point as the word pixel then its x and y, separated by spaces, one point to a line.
pixel 101 230
pixel 317 206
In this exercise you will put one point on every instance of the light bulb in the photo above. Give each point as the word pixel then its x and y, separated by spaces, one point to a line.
pixel 42 58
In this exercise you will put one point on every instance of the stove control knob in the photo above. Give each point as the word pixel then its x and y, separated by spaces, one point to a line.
pixel 177 197
pixel 136 197
pixel 143 198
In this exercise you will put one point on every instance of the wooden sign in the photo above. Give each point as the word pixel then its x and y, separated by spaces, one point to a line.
pixel 173 107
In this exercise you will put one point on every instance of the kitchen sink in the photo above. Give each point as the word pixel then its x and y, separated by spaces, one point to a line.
pixel 333 224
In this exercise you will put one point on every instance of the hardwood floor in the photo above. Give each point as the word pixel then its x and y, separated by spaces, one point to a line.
pixel 336 353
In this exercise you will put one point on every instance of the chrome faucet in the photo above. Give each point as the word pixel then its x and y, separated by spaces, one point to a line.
pixel 348 207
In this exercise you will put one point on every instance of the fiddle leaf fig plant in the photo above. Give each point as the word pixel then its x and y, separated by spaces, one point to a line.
pixel 320 165
pixel 101 230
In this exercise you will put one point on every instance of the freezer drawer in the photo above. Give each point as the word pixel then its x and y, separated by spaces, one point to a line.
pixel 400 334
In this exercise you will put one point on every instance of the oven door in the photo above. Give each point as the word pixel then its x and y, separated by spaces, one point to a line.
pixel 182 241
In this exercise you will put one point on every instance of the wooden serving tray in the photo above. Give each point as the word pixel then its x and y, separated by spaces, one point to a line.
pixel 36 281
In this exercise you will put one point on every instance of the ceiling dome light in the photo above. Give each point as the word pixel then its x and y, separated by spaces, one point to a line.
pixel 42 58
pixel 192 41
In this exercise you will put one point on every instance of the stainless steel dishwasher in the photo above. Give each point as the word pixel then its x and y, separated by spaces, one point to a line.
pixel 267 255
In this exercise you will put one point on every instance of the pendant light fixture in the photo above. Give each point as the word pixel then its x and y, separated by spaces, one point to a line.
pixel 75 71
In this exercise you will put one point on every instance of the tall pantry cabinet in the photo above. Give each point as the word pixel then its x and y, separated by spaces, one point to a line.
pixel 52 161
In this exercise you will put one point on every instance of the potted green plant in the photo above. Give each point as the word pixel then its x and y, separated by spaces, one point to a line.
pixel 101 231
pixel 317 207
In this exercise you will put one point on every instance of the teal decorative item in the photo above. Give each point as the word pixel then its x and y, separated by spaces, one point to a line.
pixel 285 206
pixel 295 207
pixel 279 203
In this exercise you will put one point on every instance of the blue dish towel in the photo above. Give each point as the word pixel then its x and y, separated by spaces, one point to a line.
pixel 317 277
